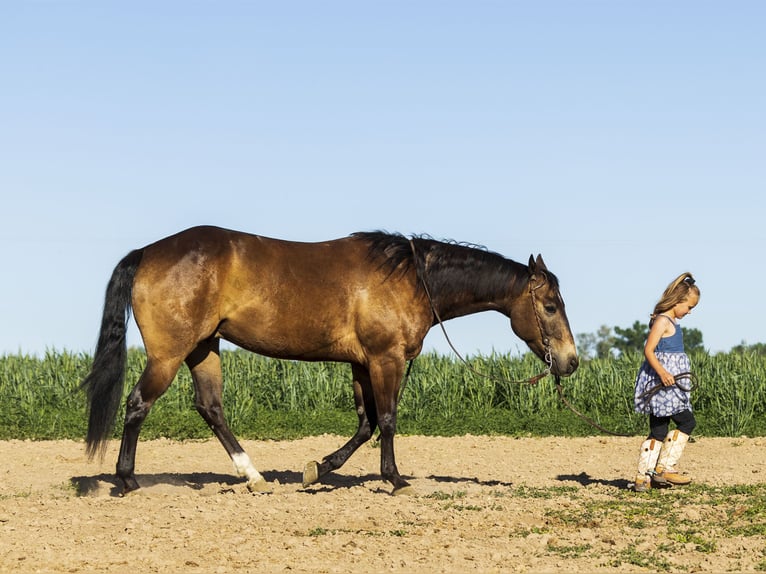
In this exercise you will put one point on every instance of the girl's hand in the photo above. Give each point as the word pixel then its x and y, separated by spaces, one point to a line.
pixel 667 379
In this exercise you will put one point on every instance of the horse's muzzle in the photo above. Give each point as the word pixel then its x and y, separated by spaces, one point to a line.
pixel 566 367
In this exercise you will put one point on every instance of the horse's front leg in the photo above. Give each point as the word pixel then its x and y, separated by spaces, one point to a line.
pixel 365 410
pixel 388 468
pixel 386 378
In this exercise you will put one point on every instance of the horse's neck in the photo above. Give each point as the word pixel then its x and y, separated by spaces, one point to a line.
pixel 484 289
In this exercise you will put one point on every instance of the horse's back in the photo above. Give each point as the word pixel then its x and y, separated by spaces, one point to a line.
pixel 214 254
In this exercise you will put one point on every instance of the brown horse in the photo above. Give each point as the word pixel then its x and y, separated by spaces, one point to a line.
pixel 368 300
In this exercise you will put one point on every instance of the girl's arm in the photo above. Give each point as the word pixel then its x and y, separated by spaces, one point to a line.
pixel 660 327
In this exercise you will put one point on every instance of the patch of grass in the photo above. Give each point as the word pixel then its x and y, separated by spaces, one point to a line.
pixel 525 491
pixel 697 517
pixel 441 495
pixel 21 494
pixel 654 561
pixel 573 551
pixel 693 536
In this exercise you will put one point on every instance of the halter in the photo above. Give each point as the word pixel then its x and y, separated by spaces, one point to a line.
pixel 548 356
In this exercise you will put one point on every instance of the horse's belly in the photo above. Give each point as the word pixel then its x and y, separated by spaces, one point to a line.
pixel 289 337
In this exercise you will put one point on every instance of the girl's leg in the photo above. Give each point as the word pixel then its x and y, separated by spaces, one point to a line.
pixel 647 460
pixel 658 427
pixel 672 449
pixel 650 452
pixel 685 422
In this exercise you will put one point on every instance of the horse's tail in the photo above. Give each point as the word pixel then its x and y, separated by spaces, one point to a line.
pixel 104 383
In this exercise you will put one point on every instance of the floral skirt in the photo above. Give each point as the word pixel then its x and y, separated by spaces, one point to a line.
pixel 667 401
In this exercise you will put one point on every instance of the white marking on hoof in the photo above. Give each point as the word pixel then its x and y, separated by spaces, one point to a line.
pixel 259 486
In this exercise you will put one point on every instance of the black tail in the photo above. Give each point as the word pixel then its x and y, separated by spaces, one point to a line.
pixel 104 383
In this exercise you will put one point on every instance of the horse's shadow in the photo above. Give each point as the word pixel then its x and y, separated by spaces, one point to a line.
pixel 89 485
pixel 474 480
pixel 585 479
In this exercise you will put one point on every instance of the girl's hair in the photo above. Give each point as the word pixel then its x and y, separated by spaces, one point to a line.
pixel 675 293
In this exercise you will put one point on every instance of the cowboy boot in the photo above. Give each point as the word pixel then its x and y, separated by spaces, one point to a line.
pixel 672 449
pixel 647 460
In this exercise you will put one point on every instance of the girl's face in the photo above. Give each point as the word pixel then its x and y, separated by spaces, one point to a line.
pixel 685 307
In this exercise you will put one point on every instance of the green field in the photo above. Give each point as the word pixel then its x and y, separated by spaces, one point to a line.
pixel 266 398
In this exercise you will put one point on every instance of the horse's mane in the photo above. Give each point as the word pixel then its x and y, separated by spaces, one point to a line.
pixel 447 265
pixel 393 250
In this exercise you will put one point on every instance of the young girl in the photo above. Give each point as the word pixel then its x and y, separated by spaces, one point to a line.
pixel 659 394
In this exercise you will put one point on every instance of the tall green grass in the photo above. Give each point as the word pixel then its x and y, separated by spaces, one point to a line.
pixel 266 398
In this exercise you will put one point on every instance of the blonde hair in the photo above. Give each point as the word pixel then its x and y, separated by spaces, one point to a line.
pixel 675 293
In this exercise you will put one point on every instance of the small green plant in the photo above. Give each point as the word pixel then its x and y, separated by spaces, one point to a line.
pixel 440 495
pixel 572 551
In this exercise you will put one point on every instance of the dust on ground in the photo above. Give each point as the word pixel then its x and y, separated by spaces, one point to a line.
pixel 483 504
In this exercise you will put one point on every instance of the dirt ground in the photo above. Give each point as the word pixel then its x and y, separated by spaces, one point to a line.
pixel 483 504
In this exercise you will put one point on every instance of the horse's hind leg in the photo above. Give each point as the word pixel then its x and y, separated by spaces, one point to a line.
pixel 153 382
pixel 205 366
pixel 368 420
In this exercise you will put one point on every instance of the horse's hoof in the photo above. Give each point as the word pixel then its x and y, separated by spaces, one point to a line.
pixel 129 485
pixel 259 486
pixel 404 491
pixel 310 473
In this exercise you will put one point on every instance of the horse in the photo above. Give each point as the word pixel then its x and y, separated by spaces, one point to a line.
pixel 367 299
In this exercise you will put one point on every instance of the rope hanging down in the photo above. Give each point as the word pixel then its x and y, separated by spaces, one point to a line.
pixel 649 393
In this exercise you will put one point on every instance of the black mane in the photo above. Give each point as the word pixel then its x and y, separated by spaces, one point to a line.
pixel 392 249
pixel 446 266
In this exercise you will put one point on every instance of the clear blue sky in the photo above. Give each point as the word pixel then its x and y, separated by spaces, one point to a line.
pixel 625 141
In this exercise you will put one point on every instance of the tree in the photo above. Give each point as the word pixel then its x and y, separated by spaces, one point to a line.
pixel 631 338
pixel 605 343
pixel 586 345
pixel 757 349
pixel 692 340
pixel 590 345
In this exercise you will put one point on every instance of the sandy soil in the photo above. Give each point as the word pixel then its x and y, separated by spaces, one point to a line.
pixel 483 504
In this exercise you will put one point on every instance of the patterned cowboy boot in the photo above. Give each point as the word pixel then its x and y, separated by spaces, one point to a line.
pixel 647 460
pixel 672 449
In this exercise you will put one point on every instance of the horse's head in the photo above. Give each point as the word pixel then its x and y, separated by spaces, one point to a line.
pixel 538 317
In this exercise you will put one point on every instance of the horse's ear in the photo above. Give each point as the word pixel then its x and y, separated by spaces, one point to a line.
pixel 536 264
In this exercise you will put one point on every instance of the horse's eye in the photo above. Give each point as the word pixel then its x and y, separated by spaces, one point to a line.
pixel 550 309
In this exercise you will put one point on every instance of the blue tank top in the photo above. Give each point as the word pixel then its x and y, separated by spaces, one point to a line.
pixel 672 344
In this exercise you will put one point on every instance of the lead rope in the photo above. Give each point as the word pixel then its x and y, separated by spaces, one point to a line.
pixel 646 394
pixel 591 422
pixel 692 378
